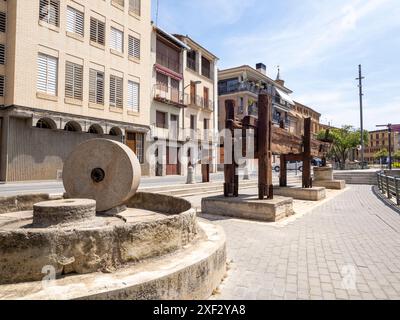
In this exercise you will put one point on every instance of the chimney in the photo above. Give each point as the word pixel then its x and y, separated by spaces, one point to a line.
pixel 261 67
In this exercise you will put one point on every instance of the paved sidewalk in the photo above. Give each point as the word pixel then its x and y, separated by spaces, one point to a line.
pixel 347 248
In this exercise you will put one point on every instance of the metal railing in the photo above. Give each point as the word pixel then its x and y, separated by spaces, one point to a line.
pixel 389 186
pixel 170 95
pixel 201 102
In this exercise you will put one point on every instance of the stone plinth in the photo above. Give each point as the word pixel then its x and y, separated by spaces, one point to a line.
pixel 249 207
pixel 308 194
pixel 323 173
pixel 323 177
pixel 50 213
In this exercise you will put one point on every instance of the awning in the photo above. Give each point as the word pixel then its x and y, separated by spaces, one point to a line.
pixel 285 96
pixel 168 72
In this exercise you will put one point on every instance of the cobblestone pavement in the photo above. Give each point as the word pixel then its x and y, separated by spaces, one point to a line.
pixel 347 248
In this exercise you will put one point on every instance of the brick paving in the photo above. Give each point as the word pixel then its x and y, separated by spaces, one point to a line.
pixel 347 248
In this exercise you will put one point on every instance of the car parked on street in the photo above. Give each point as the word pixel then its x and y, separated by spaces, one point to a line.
pixel 291 166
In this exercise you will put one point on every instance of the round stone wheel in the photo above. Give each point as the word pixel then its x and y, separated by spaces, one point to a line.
pixel 49 213
pixel 103 170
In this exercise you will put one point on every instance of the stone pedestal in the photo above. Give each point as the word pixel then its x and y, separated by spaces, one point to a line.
pixel 308 194
pixel 323 177
pixel 249 207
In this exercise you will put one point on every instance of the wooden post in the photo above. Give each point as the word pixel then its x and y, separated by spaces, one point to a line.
pixel 231 185
pixel 205 172
pixel 283 171
pixel 265 186
pixel 307 181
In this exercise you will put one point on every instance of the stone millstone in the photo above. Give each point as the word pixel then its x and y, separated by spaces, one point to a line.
pixel 103 170
pixel 51 213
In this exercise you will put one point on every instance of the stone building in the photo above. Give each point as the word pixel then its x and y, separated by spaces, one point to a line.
pixel 379 140
pixel 184 99
pixel 71 70
pixel 297 115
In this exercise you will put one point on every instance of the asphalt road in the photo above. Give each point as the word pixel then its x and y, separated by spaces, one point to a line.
pixel 56 187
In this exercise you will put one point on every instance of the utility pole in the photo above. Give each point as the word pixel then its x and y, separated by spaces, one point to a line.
pixel 360 79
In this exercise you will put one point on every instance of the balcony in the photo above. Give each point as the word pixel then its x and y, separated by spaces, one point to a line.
pixel 239 87
pixel 200 102
pixel 182 135
pixel 170 95
pixel 191 64
pixel 168 62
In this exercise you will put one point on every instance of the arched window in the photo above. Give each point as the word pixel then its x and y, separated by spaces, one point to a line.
pixel 73 126
pixel 46 123
pixel 96 129
pixel 115 131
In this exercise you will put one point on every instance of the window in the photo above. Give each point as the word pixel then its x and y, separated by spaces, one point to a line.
pixel 206 124
pixel 134 47
pixel 133 96
pixel 3 22
pixel 50 12
pixel 2 85
pixel 2 54
pixel 73 81
pixel 97 31
pixel 116 91
pixel 117 40
pixel 119 2
pixel 162 82
pixel 75 21
pixel 134 6
pixel 161 119
pixel 96 86
pixel 47 74
pixel 191 60
pixel 168 56
pixel 193 122
pixel 205 67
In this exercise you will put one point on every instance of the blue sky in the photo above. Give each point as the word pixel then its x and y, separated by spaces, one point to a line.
pixel 317 43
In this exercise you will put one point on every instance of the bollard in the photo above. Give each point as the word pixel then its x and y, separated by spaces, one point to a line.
pixel 190 176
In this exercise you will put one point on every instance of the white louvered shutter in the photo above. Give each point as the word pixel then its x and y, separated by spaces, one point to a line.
pixel 97 31
pixel 117 40
pixel 134 47
pixel 133 96
pixel 75 21
pixel 116 91
pixel 96 86
pixel 49 11
pixel 47 74
pixel 73 81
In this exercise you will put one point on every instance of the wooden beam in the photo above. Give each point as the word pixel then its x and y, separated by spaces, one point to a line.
pixel 231 185
pixel 265 186
pixel 307 181
pixel 283 171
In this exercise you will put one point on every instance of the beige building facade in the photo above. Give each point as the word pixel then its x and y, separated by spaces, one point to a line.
pixel 73 70
pixel 183 108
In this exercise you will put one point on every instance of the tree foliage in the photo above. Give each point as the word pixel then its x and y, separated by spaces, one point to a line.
pixel 344 140
pixel 384 153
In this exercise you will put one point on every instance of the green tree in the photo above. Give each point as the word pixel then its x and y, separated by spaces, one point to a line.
pixel 396 155
pixel 384 153
pixel 344 140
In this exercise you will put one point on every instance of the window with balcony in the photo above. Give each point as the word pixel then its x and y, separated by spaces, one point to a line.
pixel 47 74
pixel 206 98
pixel 134 6
pixel 73 81
pixel 206 67
pixel 168 56
pixel 49 12
pixel 134 47
pixel 133 96
pixel 97 31
pixel 191 60
pixel 75 21
pixel 228 86
pixel 162 82
pixel 117 40
pixel 116 91
pixel 96 87
pixel 193 120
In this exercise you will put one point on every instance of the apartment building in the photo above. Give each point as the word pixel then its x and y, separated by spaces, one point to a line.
pixel 243 84
pixel 379 140
pixel 184 96
pixel 296 119
pixel 73 70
